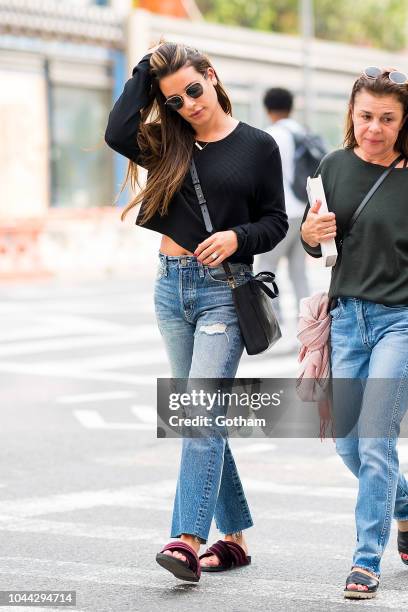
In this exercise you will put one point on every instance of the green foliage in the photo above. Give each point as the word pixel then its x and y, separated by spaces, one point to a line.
pixel 277 15
pixel 377 23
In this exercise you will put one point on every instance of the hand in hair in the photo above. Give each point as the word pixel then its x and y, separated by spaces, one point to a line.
pixel 223 244
pixel 155 47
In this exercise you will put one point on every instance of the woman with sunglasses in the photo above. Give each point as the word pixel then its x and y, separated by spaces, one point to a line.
pixel 369 323
pixel 172 109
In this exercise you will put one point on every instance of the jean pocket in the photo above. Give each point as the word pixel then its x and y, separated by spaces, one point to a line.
pixel 337 311
pixel 160 271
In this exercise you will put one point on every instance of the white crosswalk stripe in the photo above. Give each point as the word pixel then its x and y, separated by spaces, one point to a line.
pixel 145 414
pixel 86 398
pixel 92 419
pixel 145 334
pixel 156 495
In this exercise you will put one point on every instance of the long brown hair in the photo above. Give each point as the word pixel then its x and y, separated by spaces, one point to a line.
pixel 381 86
pixel 165 139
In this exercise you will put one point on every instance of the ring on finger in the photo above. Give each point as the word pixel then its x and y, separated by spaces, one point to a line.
pixel 214 255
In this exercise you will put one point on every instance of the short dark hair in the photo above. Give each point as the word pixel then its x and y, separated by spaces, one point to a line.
pixel 278 99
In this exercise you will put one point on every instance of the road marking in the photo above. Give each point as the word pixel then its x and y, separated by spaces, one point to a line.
pixel 311 517
pixel 283 590
pixel 70 343
pixel 100 307
pixel 91 419
pixel 86 398
pixel 252 449
pixel 60 326
pixel 146 414
pixel 263 486
pixel 59 371
pixel 137 496
pixel 79 529
pixel 142 357
pixel 157 495
pixel 279 367
pixel 67 571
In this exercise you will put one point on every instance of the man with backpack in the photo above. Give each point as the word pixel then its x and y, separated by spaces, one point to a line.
pixel 300 153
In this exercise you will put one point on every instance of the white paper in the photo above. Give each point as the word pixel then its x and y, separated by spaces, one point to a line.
pixel 315 191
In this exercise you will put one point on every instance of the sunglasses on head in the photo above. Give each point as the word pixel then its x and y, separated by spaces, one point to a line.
pixel 195 90
pixel 395 76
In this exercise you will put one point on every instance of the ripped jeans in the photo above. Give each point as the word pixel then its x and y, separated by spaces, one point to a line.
pixel 197 320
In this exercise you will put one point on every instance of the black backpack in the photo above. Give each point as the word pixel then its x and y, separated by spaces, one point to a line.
pixel 309 151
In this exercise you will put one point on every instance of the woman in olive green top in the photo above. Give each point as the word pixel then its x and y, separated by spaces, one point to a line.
pixel 369 331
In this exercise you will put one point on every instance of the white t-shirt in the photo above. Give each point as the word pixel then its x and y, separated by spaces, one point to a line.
pixel 281 131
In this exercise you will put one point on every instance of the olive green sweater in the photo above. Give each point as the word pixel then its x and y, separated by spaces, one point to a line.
pixel 374 261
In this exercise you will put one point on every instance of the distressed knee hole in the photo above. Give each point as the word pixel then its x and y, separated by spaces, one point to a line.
pixel 215 328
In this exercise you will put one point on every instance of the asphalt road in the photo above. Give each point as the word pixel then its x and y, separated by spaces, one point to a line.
pixel 86 489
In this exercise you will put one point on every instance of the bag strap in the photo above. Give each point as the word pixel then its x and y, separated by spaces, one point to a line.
pixel 200 197
pixel 369 195
pixel 267 277
pixel 261 277
pixel 206 215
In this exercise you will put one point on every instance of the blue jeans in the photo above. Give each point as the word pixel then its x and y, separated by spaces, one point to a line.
pixel 369 342
pixel 197 320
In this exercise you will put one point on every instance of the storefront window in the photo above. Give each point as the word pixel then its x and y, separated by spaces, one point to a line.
pixel 81 163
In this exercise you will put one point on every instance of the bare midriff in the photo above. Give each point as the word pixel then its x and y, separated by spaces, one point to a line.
pixel 169 247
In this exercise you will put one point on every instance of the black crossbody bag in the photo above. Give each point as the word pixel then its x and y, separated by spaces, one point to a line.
pixel 257 320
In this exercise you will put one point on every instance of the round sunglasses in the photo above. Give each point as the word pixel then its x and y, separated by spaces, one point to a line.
pixel 395 76
pixel 195 90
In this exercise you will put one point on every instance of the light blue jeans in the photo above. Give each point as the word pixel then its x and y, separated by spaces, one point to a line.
pixel 197 320
pixel 369 343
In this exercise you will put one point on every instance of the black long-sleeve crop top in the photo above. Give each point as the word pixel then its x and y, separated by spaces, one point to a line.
pixel 241 177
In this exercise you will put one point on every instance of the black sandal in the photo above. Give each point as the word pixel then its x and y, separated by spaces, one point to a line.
pixel 356 577
pixel 403 545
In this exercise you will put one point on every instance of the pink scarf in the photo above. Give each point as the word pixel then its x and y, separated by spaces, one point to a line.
pixel 314 369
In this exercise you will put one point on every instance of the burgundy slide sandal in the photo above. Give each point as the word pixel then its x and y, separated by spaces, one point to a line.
pixel 184 570
pixel 230 554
